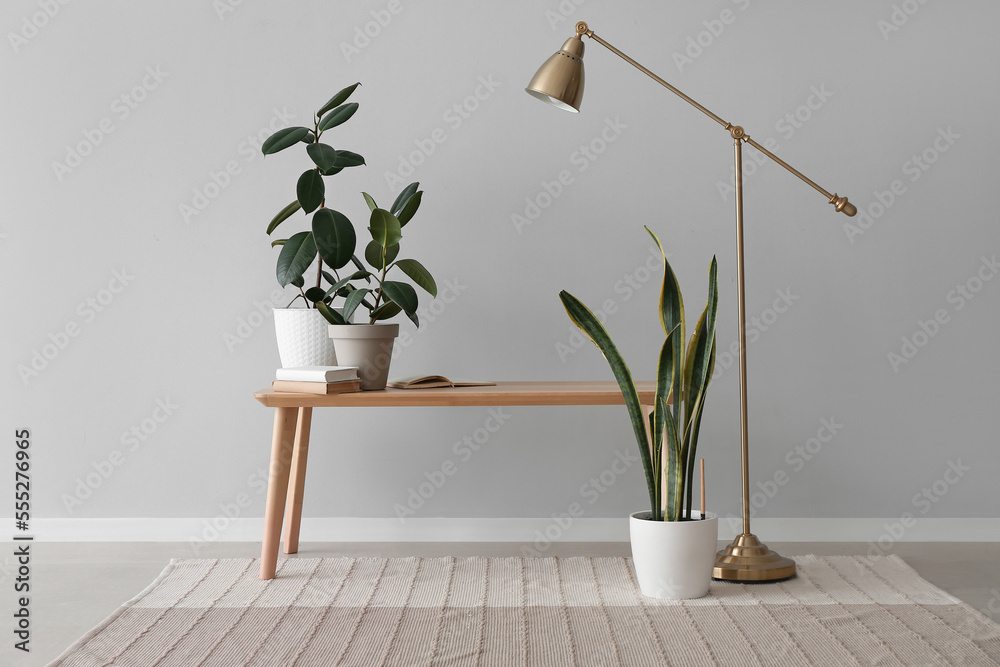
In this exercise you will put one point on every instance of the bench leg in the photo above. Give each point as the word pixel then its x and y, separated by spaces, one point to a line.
pixel 277 487
pixel 297 482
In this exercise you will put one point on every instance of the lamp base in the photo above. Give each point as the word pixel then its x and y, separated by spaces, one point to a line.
pixel 748 559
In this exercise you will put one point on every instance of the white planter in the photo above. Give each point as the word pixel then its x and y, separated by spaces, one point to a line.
pixel 367 346
pixel 674 559
pixel 302 338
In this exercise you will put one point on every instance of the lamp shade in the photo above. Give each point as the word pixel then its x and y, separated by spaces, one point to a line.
pixel 559 81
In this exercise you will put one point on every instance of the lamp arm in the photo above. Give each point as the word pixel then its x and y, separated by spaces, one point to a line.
pixel 737 132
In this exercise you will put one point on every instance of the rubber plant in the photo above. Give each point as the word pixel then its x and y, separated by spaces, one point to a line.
pixel 667 438
pixel 384 298
pixel 331 241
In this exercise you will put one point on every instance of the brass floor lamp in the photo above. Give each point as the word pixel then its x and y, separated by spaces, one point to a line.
pixel 559 82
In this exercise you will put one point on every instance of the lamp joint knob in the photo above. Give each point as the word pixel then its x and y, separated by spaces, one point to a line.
pixel 843 206
pixel 737 132
pixel 583 29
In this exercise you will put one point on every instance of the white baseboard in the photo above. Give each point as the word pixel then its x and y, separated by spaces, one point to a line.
pixel 883 532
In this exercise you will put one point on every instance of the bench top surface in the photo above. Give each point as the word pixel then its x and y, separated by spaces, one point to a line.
pixel 502 393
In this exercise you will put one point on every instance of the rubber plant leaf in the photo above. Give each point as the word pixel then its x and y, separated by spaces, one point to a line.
pixel 410 209
pixel 310 190
pixel 332 316
pixel 283 215
pixel 334 235
pixel 385 228
pixel 339 115
pixel 337 99
pixel 295 257
pixel 418 274
pixel 403 197
pixel 282 139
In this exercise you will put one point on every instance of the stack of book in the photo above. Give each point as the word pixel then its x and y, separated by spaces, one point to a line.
pixel 317 380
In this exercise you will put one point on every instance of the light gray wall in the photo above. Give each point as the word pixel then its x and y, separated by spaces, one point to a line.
pixel 888 82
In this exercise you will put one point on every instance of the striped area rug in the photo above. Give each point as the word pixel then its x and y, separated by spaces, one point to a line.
pixel 532 611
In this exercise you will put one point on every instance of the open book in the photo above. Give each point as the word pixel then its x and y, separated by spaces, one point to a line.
pixel 431 381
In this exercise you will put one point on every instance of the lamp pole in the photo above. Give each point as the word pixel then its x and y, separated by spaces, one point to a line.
pixel 560 82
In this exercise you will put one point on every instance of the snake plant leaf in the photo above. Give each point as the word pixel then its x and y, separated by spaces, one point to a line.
pixel 385 228
pixel 371 202
pixel 339 115
pixel 332 316
pixel 418 274
pixel 334 236
pixel 310 190
pixel 657 426
pixel 402 294
pixel 283 215
pixel 673 469
pixel 691 438
pixel 282 139
pixel 295 257
pixel 347 159
pixel 315 294
pixel 337 100
pixel 664 383
pixel 672 317
pixel 322 155
pixel 385 311
pixel 696 375
pixel 354 300
pixel 595 331
pixel 412 204
pixel 403 197
pixel 278 242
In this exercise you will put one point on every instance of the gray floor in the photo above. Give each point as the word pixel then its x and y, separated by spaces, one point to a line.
pixel 74 586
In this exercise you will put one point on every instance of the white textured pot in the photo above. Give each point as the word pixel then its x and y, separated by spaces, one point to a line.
pixel 302 338
pixel 674 559
pixel 367 346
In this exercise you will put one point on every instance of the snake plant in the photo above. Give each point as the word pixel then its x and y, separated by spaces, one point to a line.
pixel 667 431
